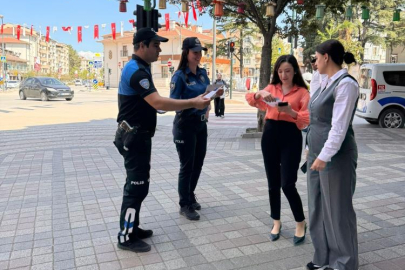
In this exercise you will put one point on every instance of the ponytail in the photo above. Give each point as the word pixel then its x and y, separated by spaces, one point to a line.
pixel 348 58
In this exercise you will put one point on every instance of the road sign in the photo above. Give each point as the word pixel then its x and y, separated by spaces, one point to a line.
pixel 169 63
pixel 3 59
pixel 98 64
pixel 91 63
pixel 95 81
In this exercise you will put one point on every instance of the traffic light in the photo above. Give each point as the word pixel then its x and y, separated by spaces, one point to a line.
pixel 155 20
pixel 140 14
pixel 231 47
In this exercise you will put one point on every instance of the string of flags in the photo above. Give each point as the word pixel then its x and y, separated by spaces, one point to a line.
pixel 21 29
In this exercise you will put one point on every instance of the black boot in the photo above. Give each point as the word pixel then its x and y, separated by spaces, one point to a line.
pixel 142 234
pixel 189 212
pixel 135 245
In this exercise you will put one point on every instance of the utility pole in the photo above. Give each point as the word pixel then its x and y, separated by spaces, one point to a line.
pixel 3 54
pixel 230 82
pixel 214 48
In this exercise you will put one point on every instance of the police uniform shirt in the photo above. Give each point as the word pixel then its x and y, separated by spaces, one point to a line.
pixel 186 85
pixel 136 83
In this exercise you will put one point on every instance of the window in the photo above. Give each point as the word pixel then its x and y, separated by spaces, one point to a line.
pixel 246 61
pixel 396 78
pixel 124 51
pixel 165 72
pixel 365 79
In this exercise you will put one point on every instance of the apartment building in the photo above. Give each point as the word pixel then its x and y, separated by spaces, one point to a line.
pixel 33 53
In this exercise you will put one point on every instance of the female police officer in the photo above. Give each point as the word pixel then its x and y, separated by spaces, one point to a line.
pixel 189 126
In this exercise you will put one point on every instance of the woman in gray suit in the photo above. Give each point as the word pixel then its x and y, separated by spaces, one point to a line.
pixel 332 160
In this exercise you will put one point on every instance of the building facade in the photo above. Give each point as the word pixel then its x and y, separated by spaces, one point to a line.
pixel 34 53
pixel 119 51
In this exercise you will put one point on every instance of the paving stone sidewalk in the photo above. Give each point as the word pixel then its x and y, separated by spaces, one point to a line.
pixel 60 196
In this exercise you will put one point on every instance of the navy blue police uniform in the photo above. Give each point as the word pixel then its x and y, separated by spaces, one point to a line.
pixel 135 145
pixel 189 132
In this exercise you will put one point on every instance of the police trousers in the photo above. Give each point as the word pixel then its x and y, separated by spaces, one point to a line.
pixel 137 165
pixel 281 148
pixel 190 136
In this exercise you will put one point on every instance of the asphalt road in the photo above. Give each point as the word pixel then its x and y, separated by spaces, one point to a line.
pixel 90 105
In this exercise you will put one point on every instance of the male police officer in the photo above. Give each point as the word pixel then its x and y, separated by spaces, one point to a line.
pixel 138 101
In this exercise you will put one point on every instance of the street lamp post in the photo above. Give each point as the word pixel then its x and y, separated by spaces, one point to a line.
pixel 3 54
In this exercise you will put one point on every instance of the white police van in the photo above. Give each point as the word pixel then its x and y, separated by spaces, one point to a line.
pixel 382 94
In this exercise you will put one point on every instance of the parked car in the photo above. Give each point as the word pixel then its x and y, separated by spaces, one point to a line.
pixel 78 82
pixel 12 84
pixel 382 94
pixel 45 88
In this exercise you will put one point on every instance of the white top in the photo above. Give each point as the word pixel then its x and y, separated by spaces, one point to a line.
pixel 221 82
pixel 346 94
pixel 316 82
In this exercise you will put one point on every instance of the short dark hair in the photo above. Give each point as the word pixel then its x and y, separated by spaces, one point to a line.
pixel 297 79
pixel 336 52
pixel 145 42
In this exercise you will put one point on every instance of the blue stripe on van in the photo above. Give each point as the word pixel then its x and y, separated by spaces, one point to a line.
pixel 389 100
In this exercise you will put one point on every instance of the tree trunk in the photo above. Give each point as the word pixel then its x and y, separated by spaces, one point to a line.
pixel 265 72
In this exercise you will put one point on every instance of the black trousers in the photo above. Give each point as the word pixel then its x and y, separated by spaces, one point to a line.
pixel 281 148
pixel 190 137
pixel 136 188
pixel 219 104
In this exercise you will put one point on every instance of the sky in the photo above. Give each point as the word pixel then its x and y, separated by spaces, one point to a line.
pixel 74 13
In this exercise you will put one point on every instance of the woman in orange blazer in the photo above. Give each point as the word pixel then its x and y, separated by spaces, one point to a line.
pixel 285 101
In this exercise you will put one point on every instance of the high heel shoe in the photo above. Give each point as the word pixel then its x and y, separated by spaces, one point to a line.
pixel 298 240
pixel 275 237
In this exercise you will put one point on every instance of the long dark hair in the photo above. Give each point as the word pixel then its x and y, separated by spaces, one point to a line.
pixel 297 79
pixel 336 52
pixel 183 60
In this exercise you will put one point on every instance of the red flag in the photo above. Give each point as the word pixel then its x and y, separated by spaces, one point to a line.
pixel 132 22
pixel 79 34
pixel 167 20
pixel 178 14
pixel 1 32
pixel 186 18
pixel 194 12
pixel 48 29
pixel 67 28
pixel 32 29
pixel 96 31
pixel 200 9
pixel 18 31
pixel 113 28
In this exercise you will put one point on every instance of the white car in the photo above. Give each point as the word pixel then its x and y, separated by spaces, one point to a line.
pixel 12 84
pixel 382 94
pixel 78 82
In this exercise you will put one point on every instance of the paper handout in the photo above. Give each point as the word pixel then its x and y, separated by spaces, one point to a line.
pixel 212 90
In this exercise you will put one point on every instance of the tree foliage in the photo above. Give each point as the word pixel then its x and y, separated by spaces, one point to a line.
pixel 74 60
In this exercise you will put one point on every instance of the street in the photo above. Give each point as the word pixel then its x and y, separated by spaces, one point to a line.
pixel 61 182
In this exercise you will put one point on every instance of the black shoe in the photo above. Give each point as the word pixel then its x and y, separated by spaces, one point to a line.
pixel 275 237
pixel 194 203
pixel 189 212
pixel 135 246
pixel 142 234
pixel 196 206
pixel 312 266
pixel 298 240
